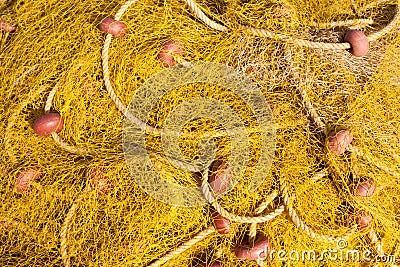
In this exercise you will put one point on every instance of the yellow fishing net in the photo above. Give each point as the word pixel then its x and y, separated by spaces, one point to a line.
pixel 261 84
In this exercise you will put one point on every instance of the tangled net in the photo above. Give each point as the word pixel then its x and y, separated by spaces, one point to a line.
pixel 299 64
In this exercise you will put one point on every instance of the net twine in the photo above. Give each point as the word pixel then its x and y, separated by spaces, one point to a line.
pixel 205 186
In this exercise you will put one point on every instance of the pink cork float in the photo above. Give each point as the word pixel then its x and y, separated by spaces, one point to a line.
pixel 7 27
pixel 358 41
pixel 339 141
pixel 113 27
pixel 48 124
pixel 25 178
pixel 364 220
pixel 170 53
pixel 220 178
pixel 366 188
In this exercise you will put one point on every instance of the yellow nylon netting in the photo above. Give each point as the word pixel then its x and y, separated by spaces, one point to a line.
pixel 57 44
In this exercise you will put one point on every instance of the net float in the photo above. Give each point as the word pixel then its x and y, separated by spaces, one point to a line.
pixel 48 124
pixel 364 220
pixel 170 53
pixel 6 27
pixel 259 250
pixel 365 189
pixel 283 12
pixel 5 225
pixel 339 141
pixel 113 27
pixel 25 178
pixel 99 180
pixel 221 176
pixel 88 87
pixel 358 41
pixel 221 223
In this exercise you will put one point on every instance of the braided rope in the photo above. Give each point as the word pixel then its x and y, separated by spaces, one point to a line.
pixel 318 121
pixel 197 11
pixel 149 129
pixel 259 210
pixel 107 82
pixel 203 234
pixel 185 246
pixel 301 224
pixel 300 42
pixel 50 98
pixel 375 36
pixel 206 190
pixel 69 148
pixel 106 76
pixel 354 151
pixel 308 106
pixel 66 225
pixel 311 110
